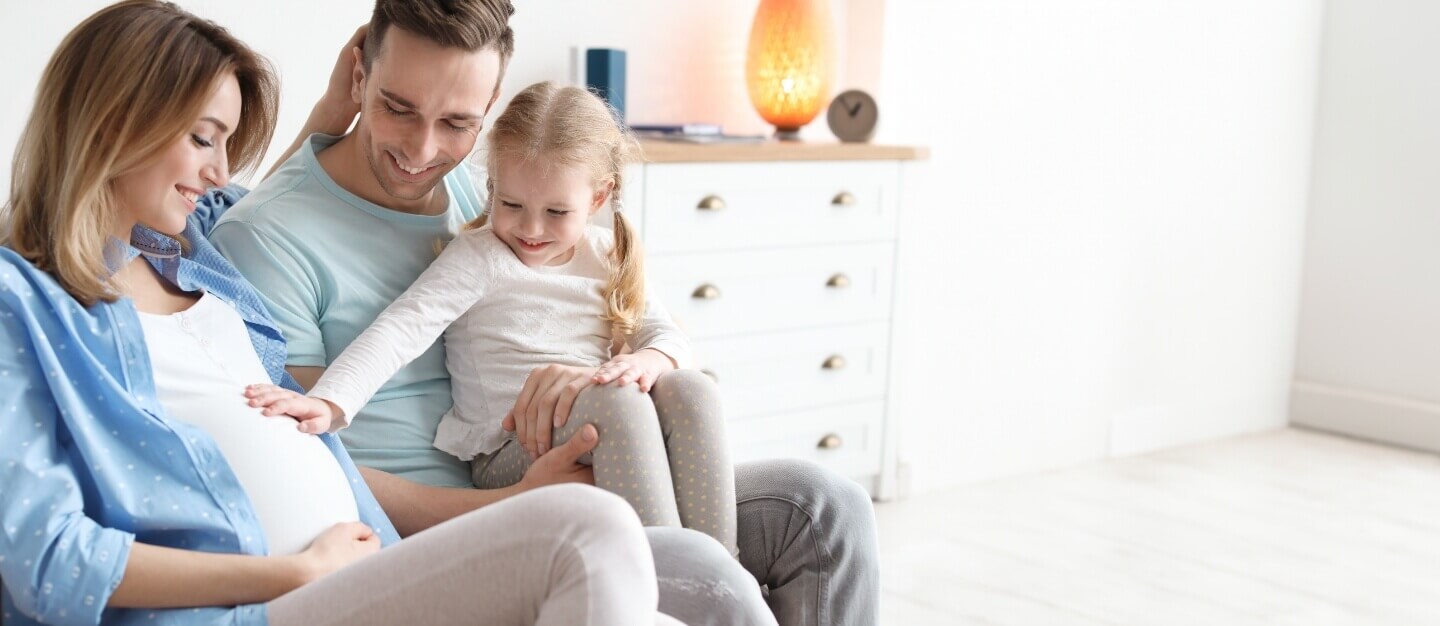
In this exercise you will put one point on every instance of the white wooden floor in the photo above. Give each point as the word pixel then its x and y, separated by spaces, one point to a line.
pixel 1287 527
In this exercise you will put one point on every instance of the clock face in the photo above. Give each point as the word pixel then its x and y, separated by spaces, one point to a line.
pixel 853 116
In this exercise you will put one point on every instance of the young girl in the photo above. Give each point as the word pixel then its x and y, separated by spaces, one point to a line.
pixel 532 283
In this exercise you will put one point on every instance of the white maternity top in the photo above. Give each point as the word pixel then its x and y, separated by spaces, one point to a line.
pixel 203 359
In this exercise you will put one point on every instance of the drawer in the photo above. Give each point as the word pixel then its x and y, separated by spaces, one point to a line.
pixel 845 438
pixel 731 293
pixel 774 372
pixel 731 206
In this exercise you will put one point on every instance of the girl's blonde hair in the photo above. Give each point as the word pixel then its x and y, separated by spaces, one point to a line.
pixel 569 126
pixel 122 87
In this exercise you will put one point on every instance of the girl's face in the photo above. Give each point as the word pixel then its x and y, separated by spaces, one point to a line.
pixel 540 209
pixel 162 194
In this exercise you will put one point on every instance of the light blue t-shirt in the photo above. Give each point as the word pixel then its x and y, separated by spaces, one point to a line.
pixel 326 263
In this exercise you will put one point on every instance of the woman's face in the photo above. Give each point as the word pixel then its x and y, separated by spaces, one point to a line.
pixel 162 194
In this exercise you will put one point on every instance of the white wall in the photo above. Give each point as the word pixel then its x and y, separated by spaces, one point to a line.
pixel 1101 258
pixel 1103 255
pixel 1368 359
pixel 686 60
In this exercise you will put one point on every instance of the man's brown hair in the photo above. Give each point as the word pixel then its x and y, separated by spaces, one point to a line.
pixel 469 25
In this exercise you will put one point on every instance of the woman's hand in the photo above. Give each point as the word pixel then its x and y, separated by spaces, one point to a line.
pixel 641 368
pixel 340 545
pixel 544 404
pixel 314 414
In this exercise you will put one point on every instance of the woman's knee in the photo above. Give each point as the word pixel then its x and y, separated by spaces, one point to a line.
pixel 570 505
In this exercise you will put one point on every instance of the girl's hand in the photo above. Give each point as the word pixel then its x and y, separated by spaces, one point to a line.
pixel 641 368
pixel 315 415
pixel 340 545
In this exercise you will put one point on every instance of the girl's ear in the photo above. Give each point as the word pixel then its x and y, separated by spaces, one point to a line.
pixel 602 196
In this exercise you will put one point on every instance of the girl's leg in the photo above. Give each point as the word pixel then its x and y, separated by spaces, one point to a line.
pixel 501 468
pixel 687 403
pixel 566 554
pixel 629 460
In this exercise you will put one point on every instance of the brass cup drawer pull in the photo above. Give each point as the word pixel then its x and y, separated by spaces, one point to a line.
pixel 711 374
pixel 706 292
pixel 834 362
pixel 843 198
pixel 830 442
pixel 711 203
pixel 838 281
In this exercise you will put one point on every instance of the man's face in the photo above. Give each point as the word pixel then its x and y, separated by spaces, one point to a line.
pixel 422 106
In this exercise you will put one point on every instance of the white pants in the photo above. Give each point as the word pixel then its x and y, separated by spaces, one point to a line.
pixel 564 555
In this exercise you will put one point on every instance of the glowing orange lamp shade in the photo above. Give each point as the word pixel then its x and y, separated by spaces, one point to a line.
pixel 790 63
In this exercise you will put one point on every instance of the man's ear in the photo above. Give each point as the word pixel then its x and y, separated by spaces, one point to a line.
pixel 357 77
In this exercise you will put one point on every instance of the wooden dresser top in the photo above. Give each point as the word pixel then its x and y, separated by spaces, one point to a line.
pixel 659 151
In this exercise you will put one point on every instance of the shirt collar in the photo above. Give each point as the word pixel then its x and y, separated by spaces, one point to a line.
pixel 152 244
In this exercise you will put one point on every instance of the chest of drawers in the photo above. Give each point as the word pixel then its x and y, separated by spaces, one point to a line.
pixel 778 260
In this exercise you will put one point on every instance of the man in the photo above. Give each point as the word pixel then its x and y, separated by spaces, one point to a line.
pixel 342 227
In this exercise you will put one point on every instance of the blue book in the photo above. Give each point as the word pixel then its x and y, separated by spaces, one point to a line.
pixel 605 74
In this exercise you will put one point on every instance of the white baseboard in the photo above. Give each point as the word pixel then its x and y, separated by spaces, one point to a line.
pixel 1365 414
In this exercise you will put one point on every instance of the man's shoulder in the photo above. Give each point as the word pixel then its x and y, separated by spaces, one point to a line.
pixel 261 206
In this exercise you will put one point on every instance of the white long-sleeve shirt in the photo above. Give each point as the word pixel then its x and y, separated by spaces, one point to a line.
pixel 501 319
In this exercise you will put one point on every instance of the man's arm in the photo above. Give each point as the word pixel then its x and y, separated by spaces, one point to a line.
pixel 414 507
pixel 336 109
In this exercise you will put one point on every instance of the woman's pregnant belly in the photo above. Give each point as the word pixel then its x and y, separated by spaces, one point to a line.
pixel 293 480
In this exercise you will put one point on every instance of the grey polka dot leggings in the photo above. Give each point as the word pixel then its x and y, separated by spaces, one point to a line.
pixel 665 453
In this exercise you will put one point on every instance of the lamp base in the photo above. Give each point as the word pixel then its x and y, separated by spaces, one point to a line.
pixel 787 133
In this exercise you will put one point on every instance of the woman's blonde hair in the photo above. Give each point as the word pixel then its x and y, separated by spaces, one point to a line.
pixel 571 127
pixel 122 87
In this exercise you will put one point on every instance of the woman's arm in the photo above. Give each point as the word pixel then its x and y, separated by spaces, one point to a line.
pixel 159 577
pixel 335 111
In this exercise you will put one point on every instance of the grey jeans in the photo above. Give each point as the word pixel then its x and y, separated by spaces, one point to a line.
pixel 807 537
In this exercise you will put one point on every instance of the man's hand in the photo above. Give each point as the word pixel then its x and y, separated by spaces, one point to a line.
pixel 337 108
pixel 314 414
pixel 559 465
pixel 544 404
pixel 337 105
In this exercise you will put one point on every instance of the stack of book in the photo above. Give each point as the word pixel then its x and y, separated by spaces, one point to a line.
pixel 691 133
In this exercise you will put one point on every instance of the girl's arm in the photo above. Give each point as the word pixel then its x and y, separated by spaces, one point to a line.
pixel 659 346
pixel 660 333
pixel 159 577
pixel 407 328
